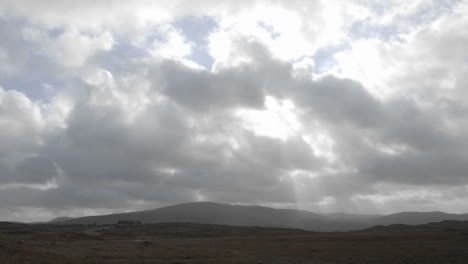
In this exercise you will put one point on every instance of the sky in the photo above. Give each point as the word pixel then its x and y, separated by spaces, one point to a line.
pixel 329 106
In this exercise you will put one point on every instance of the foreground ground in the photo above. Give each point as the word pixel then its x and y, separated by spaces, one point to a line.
pixel 195 243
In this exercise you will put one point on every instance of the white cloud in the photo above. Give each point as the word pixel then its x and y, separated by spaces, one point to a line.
pixel 302 29
pixel 278 120
pixel 20 123
pixel 429 56
pixel 174 45
pixel 71 48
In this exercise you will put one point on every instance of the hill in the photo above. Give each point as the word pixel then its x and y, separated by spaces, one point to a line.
pixel 446 225
pixel 224 214
pixel 417 218
pixel 62 218
pixel 239 215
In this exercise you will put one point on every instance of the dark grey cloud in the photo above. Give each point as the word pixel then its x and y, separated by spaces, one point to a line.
pixel 35 170
pixel 202 90
pixel 341 100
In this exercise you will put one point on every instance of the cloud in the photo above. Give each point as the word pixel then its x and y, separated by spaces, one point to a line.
pixel 20 122
pixel 71 48
pixel 14 51
pixel 132 121
pixel 202 90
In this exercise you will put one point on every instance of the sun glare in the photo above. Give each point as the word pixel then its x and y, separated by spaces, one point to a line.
pixel 277 120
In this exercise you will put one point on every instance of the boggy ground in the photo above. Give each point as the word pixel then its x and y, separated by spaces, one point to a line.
pixel 197 243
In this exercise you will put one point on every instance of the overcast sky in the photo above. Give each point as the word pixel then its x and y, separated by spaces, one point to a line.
pixel 354 106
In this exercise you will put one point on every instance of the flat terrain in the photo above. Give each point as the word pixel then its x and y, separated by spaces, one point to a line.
pixel 198 243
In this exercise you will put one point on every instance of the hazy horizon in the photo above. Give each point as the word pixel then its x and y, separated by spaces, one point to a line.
pixel 110 106
pixel 83 214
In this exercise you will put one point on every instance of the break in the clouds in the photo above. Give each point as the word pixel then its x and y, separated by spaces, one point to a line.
pixel 322 105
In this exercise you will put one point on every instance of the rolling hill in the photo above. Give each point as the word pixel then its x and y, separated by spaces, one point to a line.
pixel 417 218
pixel 224 214
pixel 239 215
pixel 58 219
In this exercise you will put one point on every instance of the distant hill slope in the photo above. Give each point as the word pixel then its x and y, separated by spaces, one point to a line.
pixel 448 225
pixel 417 218
pixel 224 214
pixel 238 215
pixel 345 216
pixel 58 219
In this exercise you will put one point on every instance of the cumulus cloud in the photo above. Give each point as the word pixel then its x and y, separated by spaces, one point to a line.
pixel 21 123
pixel 131 120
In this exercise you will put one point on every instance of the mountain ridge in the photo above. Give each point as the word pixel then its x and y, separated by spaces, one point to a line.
pixel 254 215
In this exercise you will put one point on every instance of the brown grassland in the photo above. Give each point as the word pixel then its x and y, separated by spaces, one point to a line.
pixel 198 243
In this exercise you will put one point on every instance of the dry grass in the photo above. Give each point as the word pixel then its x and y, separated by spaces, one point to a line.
pixel 195 243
